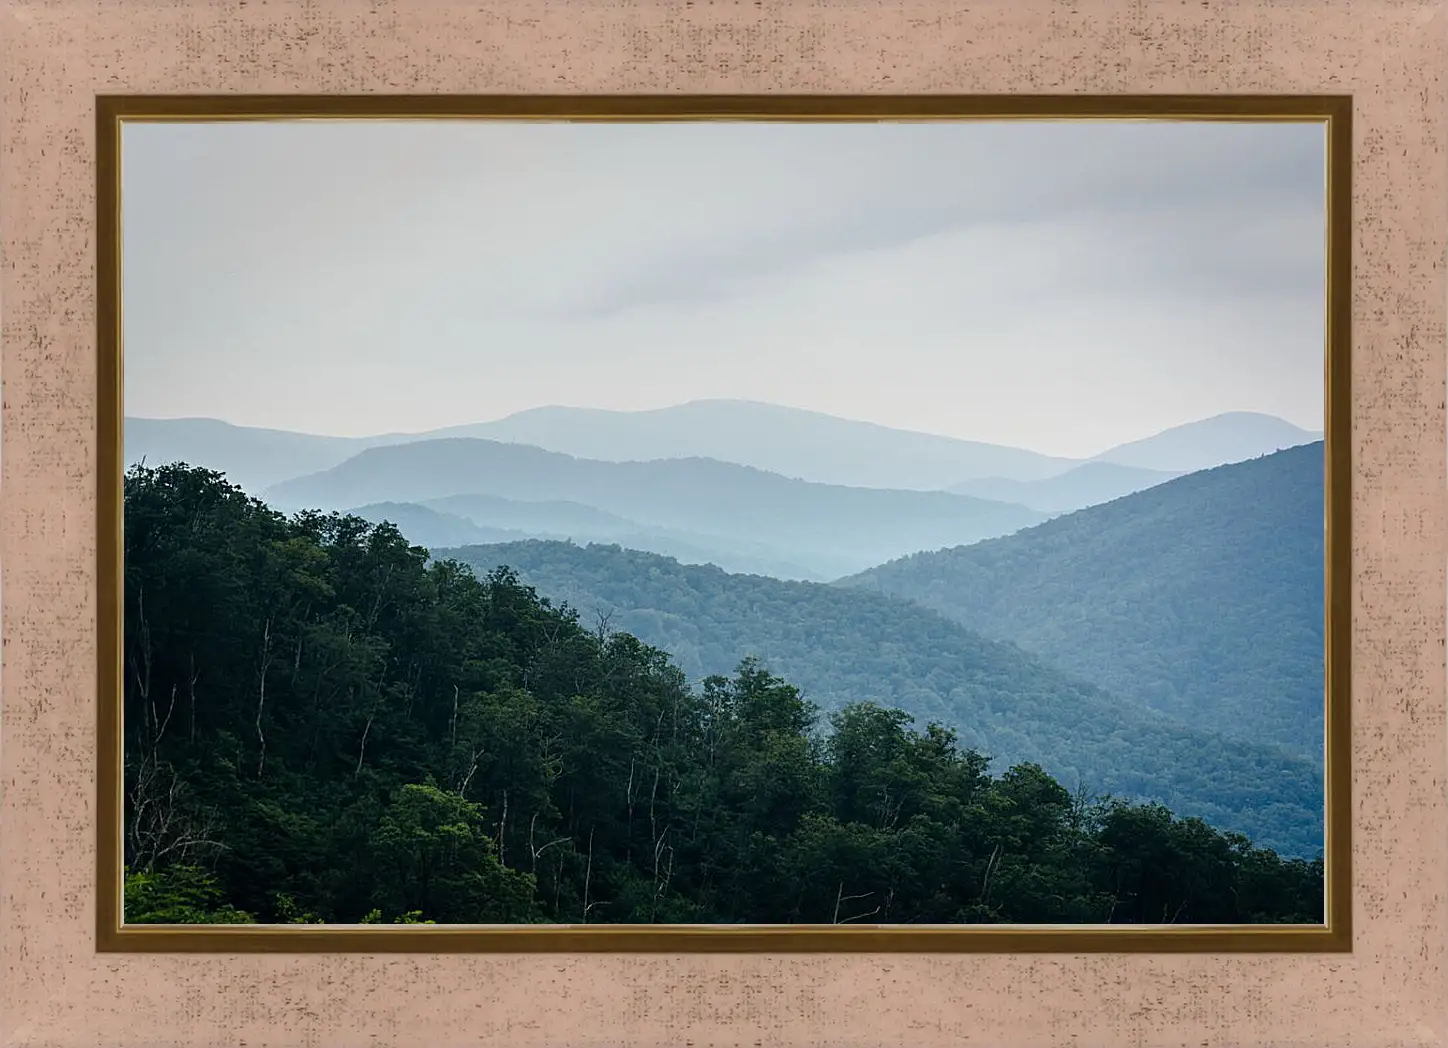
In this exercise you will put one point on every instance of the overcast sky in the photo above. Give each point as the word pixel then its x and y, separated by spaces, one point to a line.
pixel 1057 286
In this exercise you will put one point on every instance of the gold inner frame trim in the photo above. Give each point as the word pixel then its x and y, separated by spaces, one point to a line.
pixel 1333 936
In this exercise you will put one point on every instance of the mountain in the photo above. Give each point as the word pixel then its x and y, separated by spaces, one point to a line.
pixel 793 442
pixel 1217 441
pixel 1201 597
pixel 487 519
pixel 843 645
pixel 252 458
pixel 829 530
pixel 789 441
pixel 1086 485
pixel 560 517
pixel 428 527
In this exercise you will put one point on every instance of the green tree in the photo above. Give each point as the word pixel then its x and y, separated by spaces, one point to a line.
pixel 433 855
pixel 177 895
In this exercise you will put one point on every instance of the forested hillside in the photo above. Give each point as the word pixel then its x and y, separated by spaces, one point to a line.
pixel 321 724
pixel 842 646
pixel 1201 597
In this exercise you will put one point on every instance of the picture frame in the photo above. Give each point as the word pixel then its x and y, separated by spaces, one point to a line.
pixel 57 987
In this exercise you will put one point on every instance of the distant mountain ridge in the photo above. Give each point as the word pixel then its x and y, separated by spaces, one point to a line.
pixel 830 530
pixel 427 527
pixel 485 519
pixel 1086 485
pixel 842 645
pixel 1201 597
pixel 251 458
pixel 1217 441
pixel 792 442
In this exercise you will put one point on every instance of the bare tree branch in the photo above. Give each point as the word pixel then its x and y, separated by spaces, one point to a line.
pixel 266 660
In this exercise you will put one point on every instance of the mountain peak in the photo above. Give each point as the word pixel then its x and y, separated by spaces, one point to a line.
pixel 1233 436
pixel 794 442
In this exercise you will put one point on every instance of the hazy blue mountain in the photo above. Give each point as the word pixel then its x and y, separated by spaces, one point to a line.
pixel 796 443
pixel 843 645
pixel 424 526
pixel 252 458
pixel 789 441
pixel 1085 485
pixel 829 530
pixel 1201 597
pixel 559 517
pixel 1217 441
pixel 489 519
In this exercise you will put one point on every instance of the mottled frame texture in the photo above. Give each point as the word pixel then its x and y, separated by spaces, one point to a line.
pixel 55 55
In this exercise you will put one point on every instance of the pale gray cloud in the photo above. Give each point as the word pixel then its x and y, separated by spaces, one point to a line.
pixel 1060 286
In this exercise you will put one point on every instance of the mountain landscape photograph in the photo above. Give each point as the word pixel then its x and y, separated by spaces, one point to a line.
pixel 735 523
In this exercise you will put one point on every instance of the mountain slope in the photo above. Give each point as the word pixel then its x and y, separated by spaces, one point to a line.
pixel 251 458
pixel 554 516
pixel 1201 597
pixel 483 519
pixel 1086 485
pixel 428 527
pixel 843 645
pixel 829 530
pixel 789 441
pixel 1233 437
pixel 796 443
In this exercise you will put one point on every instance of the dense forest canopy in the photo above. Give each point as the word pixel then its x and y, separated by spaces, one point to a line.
pixel 323 724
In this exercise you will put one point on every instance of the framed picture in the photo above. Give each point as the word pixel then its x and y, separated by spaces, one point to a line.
pixel 840 524
pixel 783 526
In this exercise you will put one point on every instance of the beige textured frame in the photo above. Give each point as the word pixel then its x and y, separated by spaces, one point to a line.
pixel 1333 114
pixel 57 55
